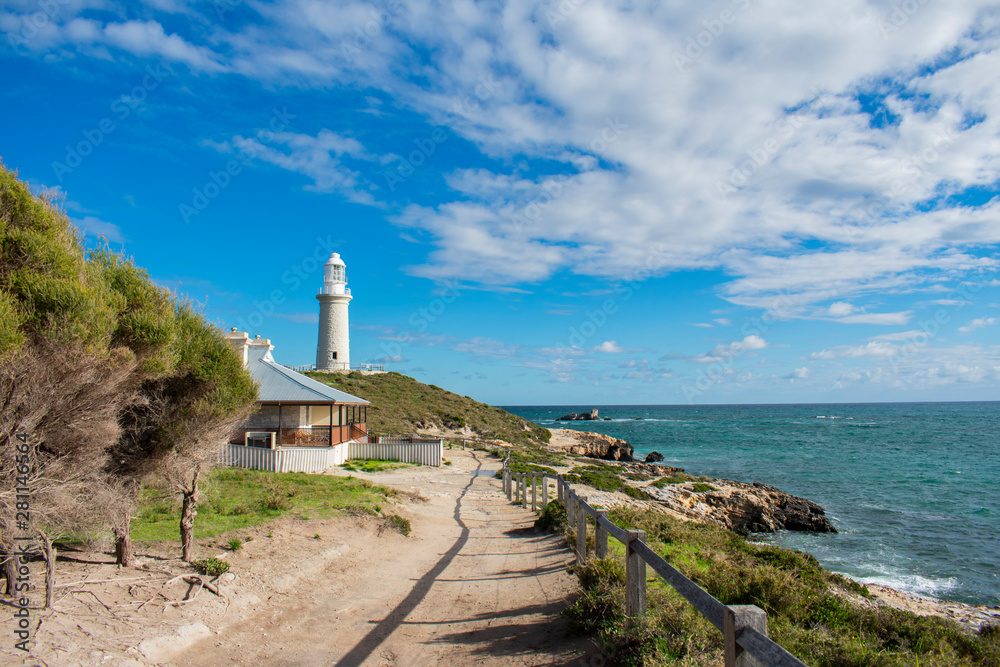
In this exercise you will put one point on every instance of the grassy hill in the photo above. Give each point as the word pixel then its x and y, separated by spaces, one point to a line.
pixel 402 405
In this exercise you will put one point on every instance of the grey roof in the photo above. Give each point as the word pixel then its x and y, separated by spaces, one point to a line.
pixel 280 384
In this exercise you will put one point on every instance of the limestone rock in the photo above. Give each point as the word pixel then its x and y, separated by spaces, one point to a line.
pixel 600 446
pixel 580 416
pixel 745 508
pixel 654 457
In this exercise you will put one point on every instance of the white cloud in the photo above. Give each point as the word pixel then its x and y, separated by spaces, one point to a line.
pixel 734 349
pixel 609 346
pixel 902 335
pixel 728 162
pixel 870 349
pixel 840 309
pixel 703 325
pixel 722 321
pixel 978 323
pixel 95 227
pixel 147 38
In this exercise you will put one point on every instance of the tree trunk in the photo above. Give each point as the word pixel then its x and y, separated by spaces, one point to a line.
pixel 124 555
pixel 9 569
pixel 188 507
pixel 50 568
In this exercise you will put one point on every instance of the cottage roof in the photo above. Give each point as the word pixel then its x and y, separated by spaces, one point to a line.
pixel 281 384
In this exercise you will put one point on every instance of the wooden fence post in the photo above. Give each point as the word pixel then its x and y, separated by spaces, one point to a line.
pixel 734 619
pixel 560 493
pixel 635 578
pixel 506 483
pixel 581 531
pixel 600 535
pixel 570 519
pixel 524 490
pixel 534 493
pixel 545 492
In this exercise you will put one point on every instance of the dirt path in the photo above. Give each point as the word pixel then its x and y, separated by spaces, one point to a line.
pixel 474 585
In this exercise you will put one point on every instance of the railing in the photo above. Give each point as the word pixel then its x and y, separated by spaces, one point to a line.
pixel 743 627
pixel 367 368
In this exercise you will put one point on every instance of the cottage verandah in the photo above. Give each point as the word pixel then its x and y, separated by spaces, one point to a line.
pixel 301 425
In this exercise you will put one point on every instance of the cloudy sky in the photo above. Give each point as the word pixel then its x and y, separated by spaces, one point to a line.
pixel 566 202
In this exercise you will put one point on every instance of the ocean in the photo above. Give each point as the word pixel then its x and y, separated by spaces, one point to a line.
pixel 913 488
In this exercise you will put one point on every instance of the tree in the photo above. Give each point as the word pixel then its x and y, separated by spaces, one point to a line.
pixel 176 433
pixel 110 379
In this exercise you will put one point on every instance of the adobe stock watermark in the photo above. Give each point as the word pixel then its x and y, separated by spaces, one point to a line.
pixel 121 108
pixel 22 520
pixel 553 188
pixel 595 319
pixel 714 27
pixel 758 158
pixel 294 277
pixel 870 213
pixel 218 181
pixel 722 365
pixel 371 29
pixel 32 24
pixel 405 166
pixel 562 11
pixel 930 327
pixel 900 15
pixel 421 319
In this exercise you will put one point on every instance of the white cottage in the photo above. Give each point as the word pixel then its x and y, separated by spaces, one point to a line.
pixel 294 412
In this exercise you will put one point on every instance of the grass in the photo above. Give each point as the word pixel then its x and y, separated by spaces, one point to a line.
pixel 817 615
pixel 679 478
pixel 235 498
pixel 603 478
pixel 401 405
pixel 374 465
pixel 212 567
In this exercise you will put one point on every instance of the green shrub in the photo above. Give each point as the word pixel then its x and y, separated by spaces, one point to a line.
pixel 702 488
pixel 212 567
pixel 399 523
pixel 553 517
pixel 235 544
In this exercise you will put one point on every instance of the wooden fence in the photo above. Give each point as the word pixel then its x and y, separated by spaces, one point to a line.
pixel 743 627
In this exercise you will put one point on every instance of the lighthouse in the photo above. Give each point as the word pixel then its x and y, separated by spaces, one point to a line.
pixel 333 348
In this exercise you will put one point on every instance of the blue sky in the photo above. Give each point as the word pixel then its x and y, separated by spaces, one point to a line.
pixel 574 202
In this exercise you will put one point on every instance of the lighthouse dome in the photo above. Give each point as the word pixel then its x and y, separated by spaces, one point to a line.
pixel 334 260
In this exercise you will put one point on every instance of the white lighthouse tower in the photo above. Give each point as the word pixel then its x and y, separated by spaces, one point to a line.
pixel 333 349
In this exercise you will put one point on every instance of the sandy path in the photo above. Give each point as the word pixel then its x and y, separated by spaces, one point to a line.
pixel 473 585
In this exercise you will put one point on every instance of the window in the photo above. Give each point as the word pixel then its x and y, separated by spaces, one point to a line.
pixel 333 355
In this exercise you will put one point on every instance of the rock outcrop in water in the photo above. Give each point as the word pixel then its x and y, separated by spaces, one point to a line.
pixel 654 457
pixel 744 508
pixel 580 416
pixel 596 445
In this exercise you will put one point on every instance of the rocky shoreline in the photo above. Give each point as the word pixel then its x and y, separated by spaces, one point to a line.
pixel 740 507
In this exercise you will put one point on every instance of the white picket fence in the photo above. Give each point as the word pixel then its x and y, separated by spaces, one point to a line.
pixel 285 459
pixel 319 459
pixel 427 453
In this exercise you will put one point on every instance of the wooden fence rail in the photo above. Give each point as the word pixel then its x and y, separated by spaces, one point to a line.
pixel 743 627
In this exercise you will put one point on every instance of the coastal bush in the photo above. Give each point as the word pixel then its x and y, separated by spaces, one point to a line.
pixel 212 567
pixel 401 404
pixel 399 523
pixel 603 478
pixel 703 488
pixel 811 612
pixel 552 517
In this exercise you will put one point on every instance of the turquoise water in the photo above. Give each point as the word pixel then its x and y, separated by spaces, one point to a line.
pixel 913 488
